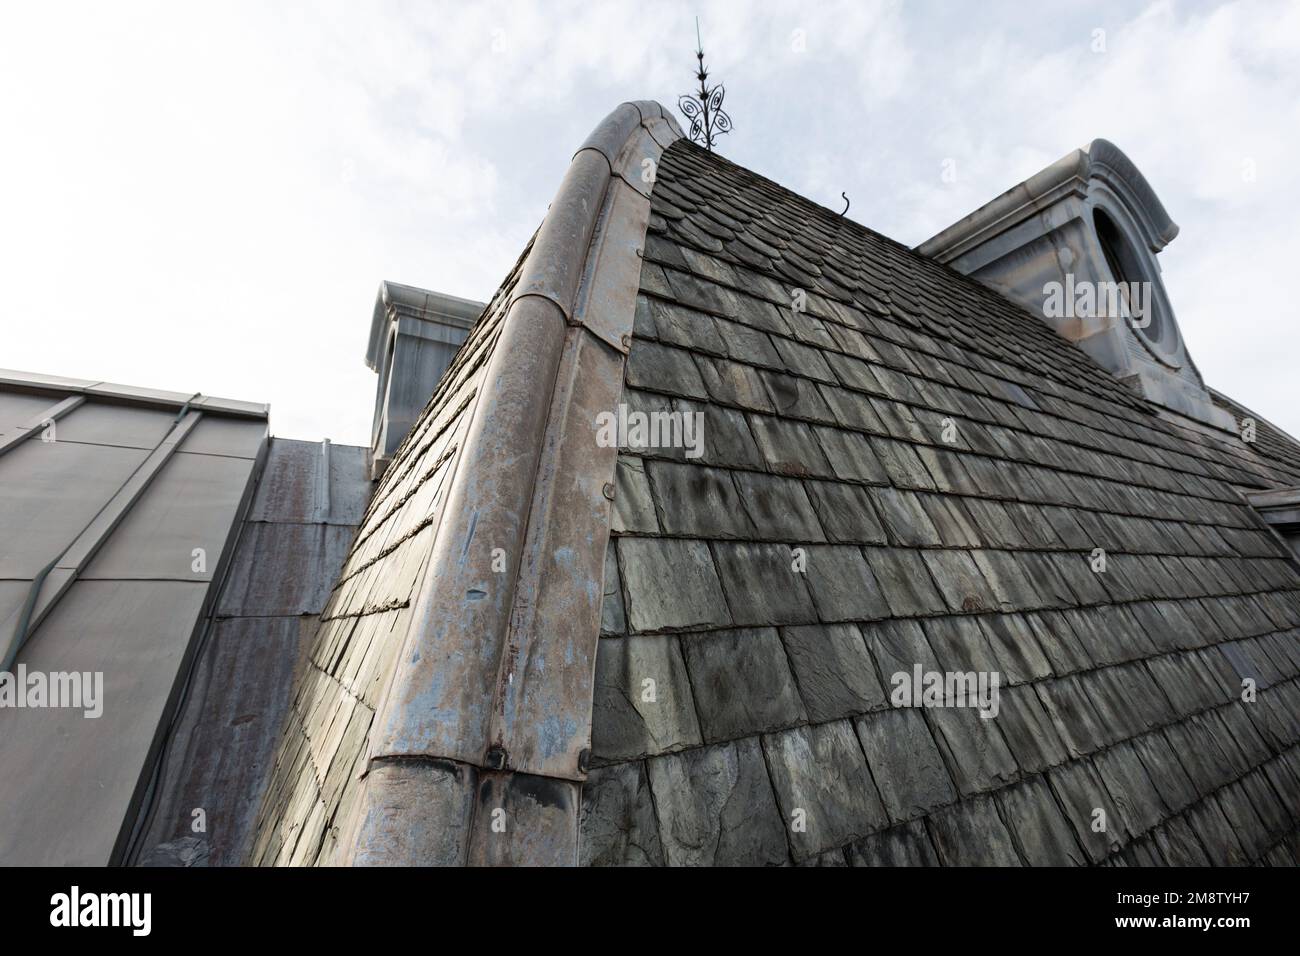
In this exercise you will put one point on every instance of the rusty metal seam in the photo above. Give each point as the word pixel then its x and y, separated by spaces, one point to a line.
pixel 500 438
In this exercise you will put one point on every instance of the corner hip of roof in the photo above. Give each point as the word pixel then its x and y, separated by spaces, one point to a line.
pixel 496 672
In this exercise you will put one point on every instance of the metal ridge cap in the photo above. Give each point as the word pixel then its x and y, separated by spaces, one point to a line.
pixel 555 263
pixel 439 700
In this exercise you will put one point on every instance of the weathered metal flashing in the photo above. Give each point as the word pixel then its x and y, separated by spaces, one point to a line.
pixel 497 669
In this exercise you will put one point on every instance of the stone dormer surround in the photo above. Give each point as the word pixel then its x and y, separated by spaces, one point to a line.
pixel 1088 220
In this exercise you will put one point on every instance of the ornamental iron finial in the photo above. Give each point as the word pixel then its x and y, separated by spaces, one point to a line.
pixel 704 109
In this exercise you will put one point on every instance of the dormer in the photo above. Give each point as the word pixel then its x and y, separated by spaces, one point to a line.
pixel 413 335
pixel 1076 244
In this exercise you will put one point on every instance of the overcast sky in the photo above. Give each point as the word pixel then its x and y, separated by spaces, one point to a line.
pixel 205 197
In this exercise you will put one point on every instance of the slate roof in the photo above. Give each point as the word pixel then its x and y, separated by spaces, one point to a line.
pixel 740 708
pixel 824 431
pixel 322 756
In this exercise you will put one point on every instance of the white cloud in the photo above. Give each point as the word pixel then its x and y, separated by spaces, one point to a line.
pixel 207 198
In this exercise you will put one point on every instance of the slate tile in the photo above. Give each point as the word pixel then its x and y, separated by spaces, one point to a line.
pixel 1215 832
pixel 617 826
pixel 946 470
pixel 741 682
pixel 1081 793
pixel 971 833
pixel 905 763
pixel 716 807
pixel 724 434
pixel 1029 731
pixel 842 585
pixel 1137 801
pixel 634 509
pixel 1178 844
pixel 778 508
pixel 654 366
pixel 850 455
pixel 748 345
pixel 1014 645
pixel 833 670
pixel 686 328
pixel 846 512
pixel 904 518
pixel 733 383
pixel 820 770
pixel 700 294
pixel 906 845
pixel 952 524
pixel 1013 579
pixel 671 584
pixel 973 747
pixel 642 703
pixel 959 580
pixel 789 447
pixel 1078 725
pixel 803 360
pixel 613 620
pixel 762 584
pixel 796 397
pixel 699 501
pixel 962 645
pixel 851 410
pixel 1165 769
pixel 897 647
pixel 1041 833
pixel 908 587
pixel 901 465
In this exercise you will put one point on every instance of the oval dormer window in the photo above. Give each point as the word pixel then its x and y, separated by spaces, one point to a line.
pixel 1136 288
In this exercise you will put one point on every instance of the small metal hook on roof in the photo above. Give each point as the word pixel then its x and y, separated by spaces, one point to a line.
pixel 845 197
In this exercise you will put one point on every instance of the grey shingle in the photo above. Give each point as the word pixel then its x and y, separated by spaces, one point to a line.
pixel 778 508
pixel 741 682
pixel 642 702
pixel 904 518
pixel 971 833
pixel 613 620
pixel 762 586
pixel 634 509
pixel 846 512
pixel 789 448
pixel 734 384
pixel 617 825
pixel 671 584
pixel 959 580
pixel 833 670
pixel 700 501
pixel 906 845
pixel 820 770
pixel 663 369
pixel 973 747
pixel 716 807
pixel 850 455
pixel 905 763
pixel 842 585
pixel 1081 793
pixel 906 583
pixel 1037 826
